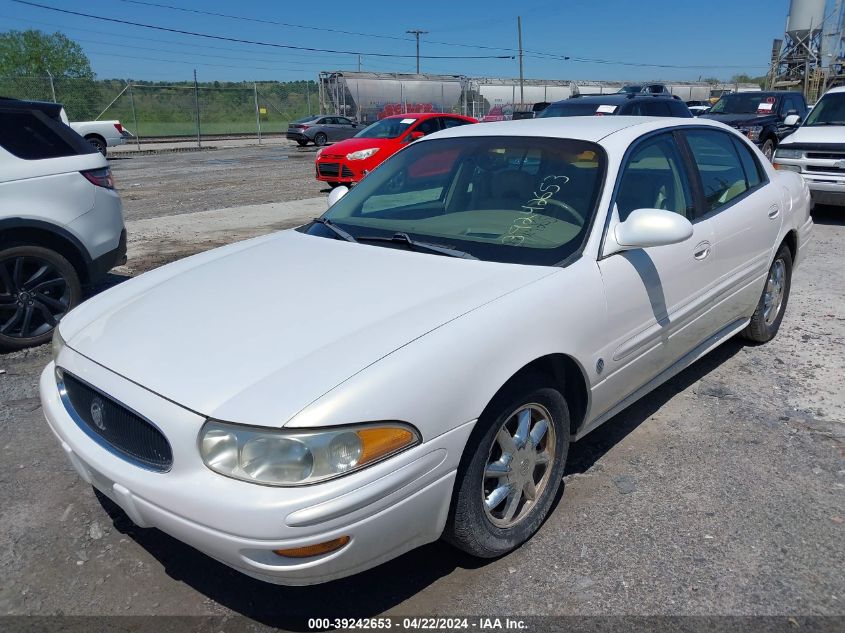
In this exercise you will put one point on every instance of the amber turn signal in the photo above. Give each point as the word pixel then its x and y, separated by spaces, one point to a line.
pixel 380 441
pixel 313 550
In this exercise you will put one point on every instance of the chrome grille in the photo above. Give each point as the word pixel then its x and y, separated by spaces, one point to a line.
pixel 114 426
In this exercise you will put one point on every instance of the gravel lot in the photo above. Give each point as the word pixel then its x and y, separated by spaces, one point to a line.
pixel 723 492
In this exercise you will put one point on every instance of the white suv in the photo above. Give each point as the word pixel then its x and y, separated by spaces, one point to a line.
pixel 61 221
pixel 816 150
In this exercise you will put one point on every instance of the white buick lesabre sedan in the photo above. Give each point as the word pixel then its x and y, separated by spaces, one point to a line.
pixel 415 363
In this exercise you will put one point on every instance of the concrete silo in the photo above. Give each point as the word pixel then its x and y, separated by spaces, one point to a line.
pixel 799 65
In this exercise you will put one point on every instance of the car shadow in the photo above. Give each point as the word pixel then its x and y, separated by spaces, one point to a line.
pixel 111 280
pixel 828 215
pixel 372 592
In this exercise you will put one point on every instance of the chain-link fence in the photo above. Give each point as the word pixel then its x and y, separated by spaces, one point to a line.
pixel 156 111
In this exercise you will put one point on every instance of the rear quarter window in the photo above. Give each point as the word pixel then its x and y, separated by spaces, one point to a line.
pixel 32 135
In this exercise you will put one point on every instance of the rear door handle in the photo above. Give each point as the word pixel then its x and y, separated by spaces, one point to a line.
pixel 774 211
pixel 702 250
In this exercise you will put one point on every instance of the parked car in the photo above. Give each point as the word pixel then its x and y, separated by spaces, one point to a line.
pixel 761 116
pixel 349 161
pixel 617 105
pixel 697 108
pixel 816 149
pixel 61 222
pixel 652 89
pixel 321 129
pixel 438 339
pixel 100 134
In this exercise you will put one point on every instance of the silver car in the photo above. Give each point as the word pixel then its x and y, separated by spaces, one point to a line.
pixel 61 221
pixel 321 129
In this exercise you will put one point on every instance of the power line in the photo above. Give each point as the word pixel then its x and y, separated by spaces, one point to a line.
pixel 243 41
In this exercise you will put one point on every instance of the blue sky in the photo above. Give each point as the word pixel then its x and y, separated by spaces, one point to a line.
pixel 720 37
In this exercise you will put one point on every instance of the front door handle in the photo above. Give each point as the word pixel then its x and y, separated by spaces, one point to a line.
pixel 774 211
pixel 702 250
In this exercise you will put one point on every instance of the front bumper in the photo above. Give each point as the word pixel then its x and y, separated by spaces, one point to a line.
pixel 386 510
pixel 825 180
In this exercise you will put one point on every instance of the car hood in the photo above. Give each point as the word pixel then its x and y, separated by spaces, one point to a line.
pixel 817 135
pixel 354 144
pixel 256 331
pixel 736 120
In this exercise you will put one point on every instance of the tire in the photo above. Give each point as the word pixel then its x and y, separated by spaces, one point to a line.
pixel 765 322
pixel 302 143
pixel 320 139
pixel 768 149
pixel 98 144
pixel 38 282
pixel 477 524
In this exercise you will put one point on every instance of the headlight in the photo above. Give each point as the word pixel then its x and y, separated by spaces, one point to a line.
pixel 788 153
pixel 288 457
pixel 319 151
pixel 58 343
pixel 361 154
pixel 752 132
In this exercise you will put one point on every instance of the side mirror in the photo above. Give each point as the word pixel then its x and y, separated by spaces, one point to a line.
pixel 336 194
pixel 792 120
pixel 652 227
pixel 415 136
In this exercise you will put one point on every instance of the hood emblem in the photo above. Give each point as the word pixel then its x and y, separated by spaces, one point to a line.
pixel 98 414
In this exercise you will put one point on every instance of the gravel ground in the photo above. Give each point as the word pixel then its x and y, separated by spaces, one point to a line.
pixel 723 492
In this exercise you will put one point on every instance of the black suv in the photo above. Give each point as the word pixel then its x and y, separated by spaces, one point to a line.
pixel 761 116
pixel 632 104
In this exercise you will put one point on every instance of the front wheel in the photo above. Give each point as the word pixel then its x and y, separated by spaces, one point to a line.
pixel 511 471
pixel 765 322
pixel 37 288
pixel 768 149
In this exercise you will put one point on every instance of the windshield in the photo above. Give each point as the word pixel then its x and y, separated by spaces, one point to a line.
pixel 576 108
pixel 745 103
pixel 829 111
pixel 508 199
pixel 386 128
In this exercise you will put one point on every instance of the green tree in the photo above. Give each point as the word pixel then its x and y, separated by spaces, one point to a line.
pixel 36 54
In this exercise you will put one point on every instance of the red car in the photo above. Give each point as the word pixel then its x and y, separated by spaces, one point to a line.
pixel 349 161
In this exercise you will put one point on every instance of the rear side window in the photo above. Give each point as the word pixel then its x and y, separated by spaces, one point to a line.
pixel 32 135
pixel 721 170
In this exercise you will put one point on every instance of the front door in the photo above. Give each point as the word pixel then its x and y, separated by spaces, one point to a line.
pixel 657 298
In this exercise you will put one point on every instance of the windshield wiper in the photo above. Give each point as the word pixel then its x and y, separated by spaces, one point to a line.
pixel 404 238
pixel 334 228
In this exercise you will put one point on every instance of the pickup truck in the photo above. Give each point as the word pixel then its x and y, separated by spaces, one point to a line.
pixel 761 116
pixel 101 134
pixel 816 150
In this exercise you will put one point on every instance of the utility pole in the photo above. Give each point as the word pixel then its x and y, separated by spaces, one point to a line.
pixel 519 33
pixel 416 33
pixel 359 62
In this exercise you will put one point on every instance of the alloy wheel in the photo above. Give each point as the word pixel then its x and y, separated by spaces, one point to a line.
pixel 773 295
pixel 519 465
pixel 33 296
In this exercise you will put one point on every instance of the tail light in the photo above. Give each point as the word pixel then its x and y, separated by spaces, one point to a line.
pixel 101 177
pixel 118 127
pixel 304 127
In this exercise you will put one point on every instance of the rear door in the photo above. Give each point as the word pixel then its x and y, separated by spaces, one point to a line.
pixel 745 211
pixel 657 297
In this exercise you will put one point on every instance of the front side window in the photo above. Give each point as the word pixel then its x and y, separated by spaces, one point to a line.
pixel 509 199
pixel 429 126
pixel 830 110
pixel 450 122
pixel 654 178
pixel 722 174
pixel 387 128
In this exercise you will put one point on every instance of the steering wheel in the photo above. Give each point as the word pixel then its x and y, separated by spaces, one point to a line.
pixel 579 219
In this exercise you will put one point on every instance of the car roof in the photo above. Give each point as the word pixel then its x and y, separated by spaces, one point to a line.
pixel 615 98
pixel 424 115
pixel 837 89
pixel 585 128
